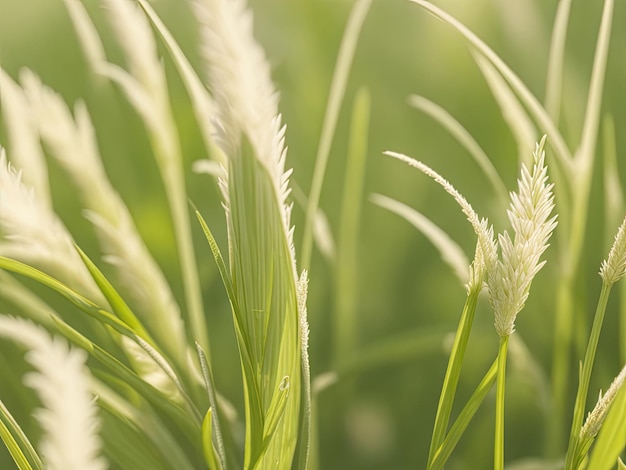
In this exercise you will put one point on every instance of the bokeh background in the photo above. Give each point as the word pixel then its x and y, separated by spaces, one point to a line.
pixel 380 415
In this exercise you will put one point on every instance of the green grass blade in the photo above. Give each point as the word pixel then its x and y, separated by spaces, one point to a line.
pixel 16 442
pixel 520 123
pixel 117 303
pixel 213 417
pixel 453 372
pixel 611 440
pixel 335 98
pixel 451 253
pixel 466 140
pixel 530 101
pixel 207 441
pixel 187 420
pixel 75 298
pixel 460 424
pixel 573 454
pixel 586 150
pixel 346 322
pixel 554 82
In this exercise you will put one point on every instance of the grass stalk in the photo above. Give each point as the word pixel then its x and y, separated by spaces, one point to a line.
pixel 498 451
pixel 335 99
pixel 453 372
pixel 347 266
pixel 574 458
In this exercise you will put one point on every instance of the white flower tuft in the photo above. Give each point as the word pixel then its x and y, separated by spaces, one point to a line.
pixel 614 267
pixel 246 101
pixel 69 417
pixel 510 279
pixel 72 142
pixel 33 234
pixel 596 417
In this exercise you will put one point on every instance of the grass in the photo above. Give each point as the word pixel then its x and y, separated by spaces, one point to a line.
pixel 129 359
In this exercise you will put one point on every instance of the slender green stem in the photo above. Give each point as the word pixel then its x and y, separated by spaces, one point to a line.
pixel 498 451
pixel 572 459
pixel 446 399
pixel 466 415
pixel 335 98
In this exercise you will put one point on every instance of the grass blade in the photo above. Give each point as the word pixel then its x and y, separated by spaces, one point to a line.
pixel 466 140
pixel 18 445
pixel 335 98
pixel 451 253
pixel 554 80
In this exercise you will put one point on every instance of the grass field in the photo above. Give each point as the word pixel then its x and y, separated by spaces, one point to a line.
pixel 153 145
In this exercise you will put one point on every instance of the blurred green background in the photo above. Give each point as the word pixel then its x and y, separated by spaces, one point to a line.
pixel 381 416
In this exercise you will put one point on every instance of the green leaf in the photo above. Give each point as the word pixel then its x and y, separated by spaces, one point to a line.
pixel 18 445
pixel 207 442
pixel 117 303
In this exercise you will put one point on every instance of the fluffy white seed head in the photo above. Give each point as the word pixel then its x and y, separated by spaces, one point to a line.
pixel 614 267
pixel 31 233
pixel 529 213
pixel 69 416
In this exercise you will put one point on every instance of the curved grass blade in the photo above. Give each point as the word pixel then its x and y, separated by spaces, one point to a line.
pixel 466 140
pixel 554 80
pixel 451 253
pixel 74 297
pixel 17 443
pixel 188 421
pixel 530 101
pixel 117 303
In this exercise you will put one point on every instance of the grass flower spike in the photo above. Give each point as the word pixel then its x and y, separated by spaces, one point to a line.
pixel 529 213
pixel 613 268
pixel 594 420
pixel 69 415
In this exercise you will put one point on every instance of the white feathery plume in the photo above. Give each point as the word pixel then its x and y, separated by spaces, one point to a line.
pixel 246 101
pixel 510 279
pixel 73 144
pixel 614 267
pixel 596 417
pixel 31 233
pixel 69 416
pixel 25 150
pixel 486 250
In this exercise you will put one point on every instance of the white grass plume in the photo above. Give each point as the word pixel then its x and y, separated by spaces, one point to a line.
pixel 486 251
pixel 72 142
pixel 69 416
pixel 33 234
pixel 614 267
pixel 510 279
pixel 24 148
pixel 244 94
